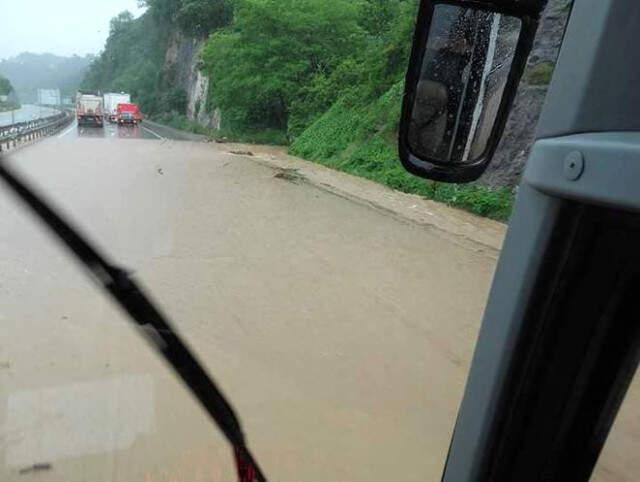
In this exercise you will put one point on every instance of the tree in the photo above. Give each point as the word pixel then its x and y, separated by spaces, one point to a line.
pixel 201 17
pixel 273 49
pixel 132 60
pixel 120 23
pixel 193 17
pixel 378 15
pixel 5 86
pixel 163 11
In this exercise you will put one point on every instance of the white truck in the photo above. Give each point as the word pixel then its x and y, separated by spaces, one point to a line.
pixel 111 102
pixel 90 109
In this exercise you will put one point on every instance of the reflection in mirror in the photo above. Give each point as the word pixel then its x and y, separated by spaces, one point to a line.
pixel 465 68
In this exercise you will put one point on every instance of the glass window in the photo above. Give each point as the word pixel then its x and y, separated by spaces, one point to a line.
pixel 240 158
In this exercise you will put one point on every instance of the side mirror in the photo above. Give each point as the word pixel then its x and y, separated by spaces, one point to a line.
pixel 466 64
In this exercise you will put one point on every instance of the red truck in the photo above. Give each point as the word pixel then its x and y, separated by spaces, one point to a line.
pixel 128 114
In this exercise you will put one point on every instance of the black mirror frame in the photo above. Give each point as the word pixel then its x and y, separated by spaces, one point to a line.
pixel 529 15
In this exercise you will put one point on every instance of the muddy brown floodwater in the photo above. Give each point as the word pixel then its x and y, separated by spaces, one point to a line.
pixel 342 332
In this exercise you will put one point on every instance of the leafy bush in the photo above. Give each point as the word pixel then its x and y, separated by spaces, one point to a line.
pixel 273 50
pixel 193 17
pixel 199 17
pixel 6 89
pixel 258 136
pixel 5 86
pixel 362 140
pixel 283 63
pixel 179 121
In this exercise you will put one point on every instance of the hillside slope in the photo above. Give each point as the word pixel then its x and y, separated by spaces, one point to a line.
pixel 29 72
pixel 322 76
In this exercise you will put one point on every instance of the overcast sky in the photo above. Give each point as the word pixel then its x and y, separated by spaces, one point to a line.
pixel 62 27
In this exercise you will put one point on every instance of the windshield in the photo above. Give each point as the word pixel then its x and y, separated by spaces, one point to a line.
pixel 255 193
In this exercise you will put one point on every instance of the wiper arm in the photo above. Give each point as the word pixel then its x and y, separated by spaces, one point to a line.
pixel 152 323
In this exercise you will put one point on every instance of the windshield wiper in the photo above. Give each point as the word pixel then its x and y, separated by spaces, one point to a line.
pixel 155 327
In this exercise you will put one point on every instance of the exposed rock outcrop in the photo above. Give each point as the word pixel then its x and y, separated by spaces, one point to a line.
pixel 182 69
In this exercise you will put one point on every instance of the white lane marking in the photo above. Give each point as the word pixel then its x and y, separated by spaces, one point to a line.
pixel 73 126
pixel 149 130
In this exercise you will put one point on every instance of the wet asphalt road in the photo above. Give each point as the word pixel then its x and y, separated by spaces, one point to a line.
pixel 343 335
pixel 109 131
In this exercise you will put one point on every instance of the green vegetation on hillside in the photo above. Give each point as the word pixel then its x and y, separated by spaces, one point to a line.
pixel 134 56
pixel 324 76
pixel 329 75
pixel 7 101
pixel 5 86
pixel 362 139
pixel 132 61
pixel 283 63
pixel 192 17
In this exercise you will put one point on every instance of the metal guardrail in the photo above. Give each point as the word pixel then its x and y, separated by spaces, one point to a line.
pixel 17 134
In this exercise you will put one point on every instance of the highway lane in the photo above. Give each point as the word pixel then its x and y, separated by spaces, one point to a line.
pixel 109 131
pixel 25 113
pixel 342 334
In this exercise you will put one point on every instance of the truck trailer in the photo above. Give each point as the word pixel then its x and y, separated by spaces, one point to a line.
pixel 111 101
pixel 90 109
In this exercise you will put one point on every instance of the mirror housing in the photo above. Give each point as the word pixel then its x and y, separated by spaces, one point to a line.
pixel 466 64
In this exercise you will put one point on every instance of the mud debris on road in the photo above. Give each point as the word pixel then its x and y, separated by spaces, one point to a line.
pixel 42 467
pixel 329 310
pixel 300 300
pixel 291 175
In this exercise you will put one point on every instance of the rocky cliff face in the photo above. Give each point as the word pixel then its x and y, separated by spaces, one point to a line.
pixel 512 154
pixel 182 69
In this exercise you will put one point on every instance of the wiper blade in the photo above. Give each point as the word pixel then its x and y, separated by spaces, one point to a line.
pixel 155 327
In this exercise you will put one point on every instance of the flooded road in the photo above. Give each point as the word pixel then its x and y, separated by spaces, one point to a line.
pixel 342 334
pixel 109 131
